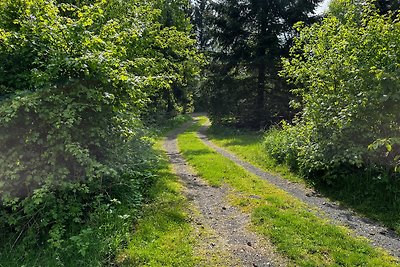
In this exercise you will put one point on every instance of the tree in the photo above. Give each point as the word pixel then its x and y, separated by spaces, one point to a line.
pixel 199 17
pixel 75 79
pixel 347 77
pixel 248 39
pixel 177 97
pixel 386 6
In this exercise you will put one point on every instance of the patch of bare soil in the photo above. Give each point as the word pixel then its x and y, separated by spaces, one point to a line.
pixel 379 235
pixel 221 228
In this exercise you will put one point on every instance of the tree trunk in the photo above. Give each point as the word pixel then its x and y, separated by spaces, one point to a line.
pixel 261 78
pixel 260 104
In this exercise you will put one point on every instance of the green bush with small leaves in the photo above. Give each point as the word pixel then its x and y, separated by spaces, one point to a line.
pixel 346 69
pixel 75 79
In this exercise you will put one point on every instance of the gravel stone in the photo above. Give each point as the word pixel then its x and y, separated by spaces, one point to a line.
pixel 230 226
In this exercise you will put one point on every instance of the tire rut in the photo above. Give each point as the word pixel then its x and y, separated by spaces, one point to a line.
pixel 379 235
pixel 229 225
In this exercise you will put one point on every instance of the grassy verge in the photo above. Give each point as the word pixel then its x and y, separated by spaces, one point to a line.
pixel 296 231
pixel 163 234
pixel 248 146
pixel 361 191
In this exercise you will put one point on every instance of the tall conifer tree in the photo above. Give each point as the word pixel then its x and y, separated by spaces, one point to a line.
pixel 249 37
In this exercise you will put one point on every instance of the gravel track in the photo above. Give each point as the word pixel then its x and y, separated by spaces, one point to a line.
pixel 229 225
pixel 379 235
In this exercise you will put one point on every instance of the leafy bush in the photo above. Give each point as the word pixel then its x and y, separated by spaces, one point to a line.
pixel 347 72
pixel 283 144
pixel 74 81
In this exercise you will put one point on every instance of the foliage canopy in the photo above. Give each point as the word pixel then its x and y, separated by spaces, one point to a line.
pixel 346 69
pixel 76 78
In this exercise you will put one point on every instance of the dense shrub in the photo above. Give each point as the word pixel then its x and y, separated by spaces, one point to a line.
pixel 347 72
pixel 283 143
pixel 75 78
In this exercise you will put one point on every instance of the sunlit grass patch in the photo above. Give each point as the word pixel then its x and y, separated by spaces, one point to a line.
pixel 359 191
pixel 290 224
pixel 248 146
pixel 163 234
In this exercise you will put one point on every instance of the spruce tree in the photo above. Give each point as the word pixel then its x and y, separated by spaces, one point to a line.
pixel 199 15
pixel 249 37
pixel 386 6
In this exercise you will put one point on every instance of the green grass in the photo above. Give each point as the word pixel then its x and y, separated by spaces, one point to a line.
pixel 369 196
pixel 297 232
pixel 248 146
pixel 361 192
pixel 163 126
pixel 163 234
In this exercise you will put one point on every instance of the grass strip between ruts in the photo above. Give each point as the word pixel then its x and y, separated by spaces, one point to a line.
pixel 291 225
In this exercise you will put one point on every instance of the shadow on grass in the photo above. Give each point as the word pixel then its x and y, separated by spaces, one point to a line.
pixel 366 195
pixel 198 152
pixel 239 137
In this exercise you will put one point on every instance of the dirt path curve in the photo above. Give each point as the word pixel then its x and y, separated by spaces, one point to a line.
pixel 229 225
pixel 380 236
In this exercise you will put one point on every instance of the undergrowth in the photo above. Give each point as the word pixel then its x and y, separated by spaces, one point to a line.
pixel 102 224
